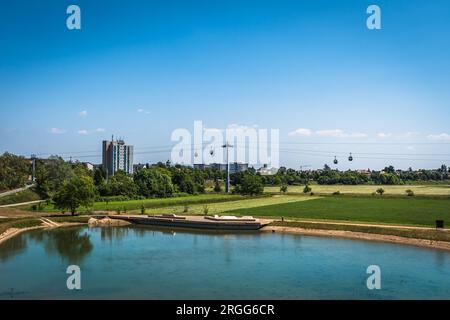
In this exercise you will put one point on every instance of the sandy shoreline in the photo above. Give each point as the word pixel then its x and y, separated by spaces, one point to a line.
pixel 12 232
pixel 360 236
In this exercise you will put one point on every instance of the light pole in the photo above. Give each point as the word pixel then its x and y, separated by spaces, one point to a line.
pixel 33 174
pixel 227 182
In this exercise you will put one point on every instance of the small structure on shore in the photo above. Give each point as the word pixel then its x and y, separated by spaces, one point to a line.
pixel 198 222
pixel 107 222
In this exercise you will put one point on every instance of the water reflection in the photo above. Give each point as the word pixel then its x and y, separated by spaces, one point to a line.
pixel 13 247
pixel 71 244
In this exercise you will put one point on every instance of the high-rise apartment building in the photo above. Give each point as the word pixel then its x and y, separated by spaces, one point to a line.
pixel 117 156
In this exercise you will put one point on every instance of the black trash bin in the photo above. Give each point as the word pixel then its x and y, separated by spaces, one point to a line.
pixel 439 224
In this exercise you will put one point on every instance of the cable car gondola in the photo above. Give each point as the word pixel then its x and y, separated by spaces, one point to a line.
pixel 350 158
pixel 335 161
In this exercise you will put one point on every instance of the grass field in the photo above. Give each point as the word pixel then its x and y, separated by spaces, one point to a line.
pixel 153 203
pixel 218 208
pixel 408 211
pixel 23 196
pixel 426 190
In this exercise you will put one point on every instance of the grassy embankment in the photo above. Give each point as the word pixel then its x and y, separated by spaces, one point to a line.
pixel 135 205
pixel 433 235
pixel 23 196
pixel 19 223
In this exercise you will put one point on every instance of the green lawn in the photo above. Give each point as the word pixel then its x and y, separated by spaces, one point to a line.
pixel 154 203
pixel 420 190
pixel 221 207
pixel 410 211
pixel 23 196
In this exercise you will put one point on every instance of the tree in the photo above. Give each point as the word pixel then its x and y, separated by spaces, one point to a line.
pixel 119 185
pixel 217 187
pixel 250 184
pixel 307 189
pixel 283 188
pixel 380 191
pixel 99 176
pixel 51 175
pixel 152 183
pixel 76 192
pixel 14 171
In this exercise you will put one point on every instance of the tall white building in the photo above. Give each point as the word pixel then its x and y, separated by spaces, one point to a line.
pixel 117 156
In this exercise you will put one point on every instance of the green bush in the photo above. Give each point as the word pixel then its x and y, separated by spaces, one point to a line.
pixel 307 189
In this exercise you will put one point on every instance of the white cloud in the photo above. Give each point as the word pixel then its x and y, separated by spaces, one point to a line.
pixel 338 133
pixel 383 135
pixel 83 113
pixel 333 133
pixel 83 132
pixel 143 111
pixel 301 132
pixel 440 137
pixel 57 131
pixel 235 126
pixel 100 130
pixel 409 134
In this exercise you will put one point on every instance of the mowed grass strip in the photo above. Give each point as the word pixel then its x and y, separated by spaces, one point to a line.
pixel 402 211
pixel 221 207
pixel 422 190
pixel 435 235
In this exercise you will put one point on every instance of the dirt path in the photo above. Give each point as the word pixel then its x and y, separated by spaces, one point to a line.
pixel 7 193
pixel 366 225
pixel 361 236
pixel 50 223
pixel 21 204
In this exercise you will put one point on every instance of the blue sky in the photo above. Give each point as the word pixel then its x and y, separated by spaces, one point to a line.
pixel 309 68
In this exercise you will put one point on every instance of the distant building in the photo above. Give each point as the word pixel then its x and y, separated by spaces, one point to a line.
pixel 238 167
pixel 266 171
pixel 234 166
pixel 89 166
pixel 117 156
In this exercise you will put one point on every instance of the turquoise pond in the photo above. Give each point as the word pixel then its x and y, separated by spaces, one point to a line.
pixel 146 263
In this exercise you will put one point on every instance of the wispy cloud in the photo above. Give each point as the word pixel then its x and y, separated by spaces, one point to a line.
pixel 383 135
pixel 57 131
pixel 302 132
pixel 83 113
pixel 439 137
pixel 333 133
pixel 143 111
pixel 83 132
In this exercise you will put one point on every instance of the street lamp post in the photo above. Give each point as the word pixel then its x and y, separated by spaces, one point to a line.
pixel 227 182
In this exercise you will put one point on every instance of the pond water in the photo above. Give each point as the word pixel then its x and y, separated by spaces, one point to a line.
pixel 145 263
